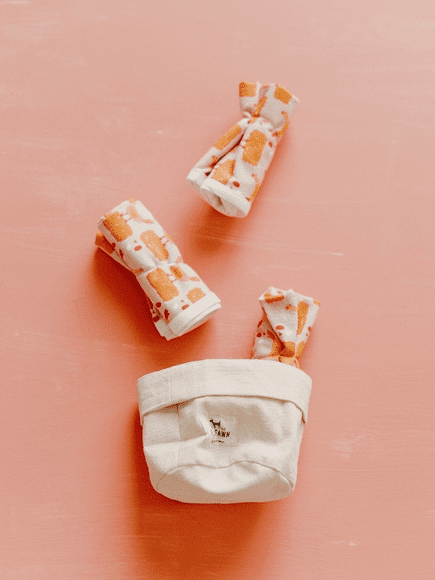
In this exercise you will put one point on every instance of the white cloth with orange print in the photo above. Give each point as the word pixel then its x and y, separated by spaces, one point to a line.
pixel 229 175
pixel 229 431
pixel 286 324
pixel 178 299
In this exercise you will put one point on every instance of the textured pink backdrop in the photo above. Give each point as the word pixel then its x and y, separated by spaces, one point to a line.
pixel 105 100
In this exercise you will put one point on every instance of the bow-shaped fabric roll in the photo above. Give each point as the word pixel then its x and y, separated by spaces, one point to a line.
pixel 179 300
pixel 229 175
pixel 286 324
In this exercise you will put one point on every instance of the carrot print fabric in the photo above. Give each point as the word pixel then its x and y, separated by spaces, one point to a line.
pixel 285 326
pixel 178 299
pixel 229 175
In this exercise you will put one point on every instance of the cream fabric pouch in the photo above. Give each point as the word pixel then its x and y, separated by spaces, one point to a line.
pixel 223 430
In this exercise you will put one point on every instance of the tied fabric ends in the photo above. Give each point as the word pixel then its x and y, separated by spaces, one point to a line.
pixel 229 175
pixel 178 299
pixel 285 326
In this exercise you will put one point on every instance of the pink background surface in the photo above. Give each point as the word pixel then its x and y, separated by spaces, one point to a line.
pixel 105 100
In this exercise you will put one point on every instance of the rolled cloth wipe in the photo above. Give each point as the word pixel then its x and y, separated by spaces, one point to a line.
pixel 178 299
pixel 285 326
pixel 229 175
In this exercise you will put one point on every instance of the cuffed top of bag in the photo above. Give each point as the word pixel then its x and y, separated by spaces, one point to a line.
pixel 214 377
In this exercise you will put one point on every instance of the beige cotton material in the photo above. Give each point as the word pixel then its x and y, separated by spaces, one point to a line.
pixel 229 431
pixel 222 430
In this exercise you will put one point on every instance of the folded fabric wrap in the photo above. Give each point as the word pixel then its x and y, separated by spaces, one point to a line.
pixel 229 175
pixel 286 324
pixel 178 299
pixel 222 430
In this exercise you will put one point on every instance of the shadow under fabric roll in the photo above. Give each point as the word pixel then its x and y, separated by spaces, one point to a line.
pixel 229 175
pixel 229 431
pixel 178 299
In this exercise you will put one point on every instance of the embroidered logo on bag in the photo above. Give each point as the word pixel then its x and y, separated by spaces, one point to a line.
pixel 218 431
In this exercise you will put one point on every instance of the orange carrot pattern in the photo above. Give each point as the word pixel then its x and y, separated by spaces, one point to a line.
pixel 254 147
pixel 154 244
pixel 162 284
pixel 132 237
pixel 247 89
pixel 229 136
pixel 224 171
pixel 117 226
pixel 229 175
pixel 286 324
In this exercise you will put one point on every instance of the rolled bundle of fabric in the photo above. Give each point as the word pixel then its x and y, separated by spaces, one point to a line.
pixel 179 300
pixel 229 175
pixel 229 431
